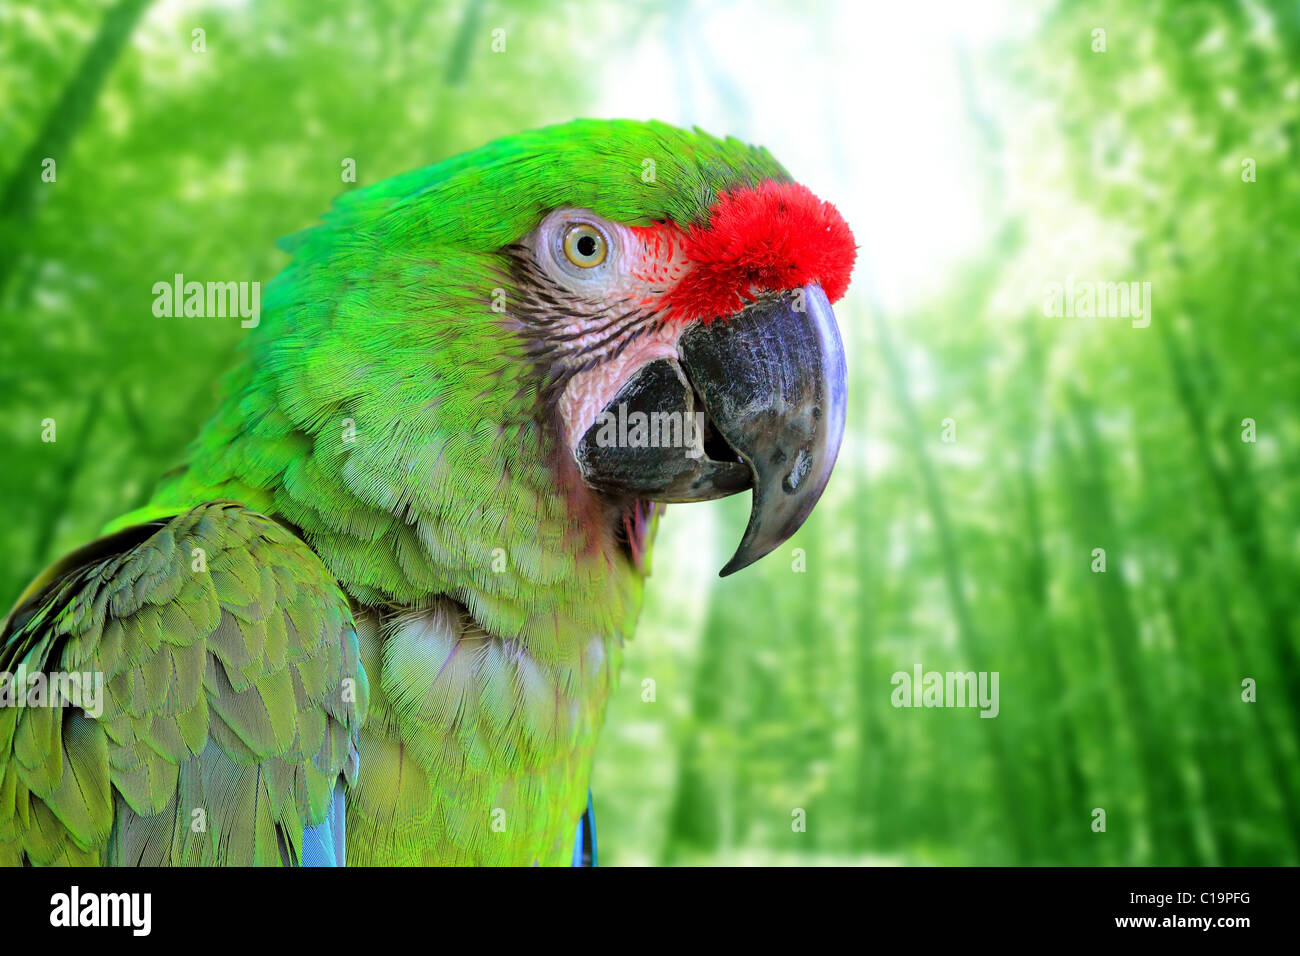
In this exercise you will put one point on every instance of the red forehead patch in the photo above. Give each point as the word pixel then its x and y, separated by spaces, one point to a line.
pixel 768 238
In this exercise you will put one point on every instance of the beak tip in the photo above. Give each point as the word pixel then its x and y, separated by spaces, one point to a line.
pixel 732 566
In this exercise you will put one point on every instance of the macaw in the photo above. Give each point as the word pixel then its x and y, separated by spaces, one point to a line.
pixel 376 614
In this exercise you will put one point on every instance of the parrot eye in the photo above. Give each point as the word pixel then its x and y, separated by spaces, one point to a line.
pixel 585 245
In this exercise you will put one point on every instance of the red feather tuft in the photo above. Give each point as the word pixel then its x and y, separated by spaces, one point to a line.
pixel 769 238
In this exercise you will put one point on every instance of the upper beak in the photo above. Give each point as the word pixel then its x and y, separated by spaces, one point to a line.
pixel 759 399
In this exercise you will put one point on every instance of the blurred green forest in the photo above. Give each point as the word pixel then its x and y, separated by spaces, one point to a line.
pixel 991 448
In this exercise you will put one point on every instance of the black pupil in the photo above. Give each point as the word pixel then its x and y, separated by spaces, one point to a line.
pixel 586 246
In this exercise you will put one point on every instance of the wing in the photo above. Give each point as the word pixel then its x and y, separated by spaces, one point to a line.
pixel 184 692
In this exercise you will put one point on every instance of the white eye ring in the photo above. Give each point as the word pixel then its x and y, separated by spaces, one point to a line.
pixel 584 245
pixel 578 248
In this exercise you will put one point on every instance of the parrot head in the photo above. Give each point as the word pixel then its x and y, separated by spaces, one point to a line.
pixel 689 361
pixel 523 351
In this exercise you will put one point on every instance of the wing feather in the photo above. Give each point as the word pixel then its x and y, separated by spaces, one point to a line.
pixel 232 694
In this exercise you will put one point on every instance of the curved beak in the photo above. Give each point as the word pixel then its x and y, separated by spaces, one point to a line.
pixel 756 400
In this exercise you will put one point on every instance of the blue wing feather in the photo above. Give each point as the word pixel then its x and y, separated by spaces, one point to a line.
pixel 584 843
pixel 326 843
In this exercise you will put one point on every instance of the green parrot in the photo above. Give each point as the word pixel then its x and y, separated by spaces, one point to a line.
pixel 376 614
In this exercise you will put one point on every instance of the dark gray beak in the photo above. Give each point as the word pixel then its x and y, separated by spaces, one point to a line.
pixel 756 400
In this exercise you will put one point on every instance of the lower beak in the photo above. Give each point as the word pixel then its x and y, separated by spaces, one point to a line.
pixel 756 400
